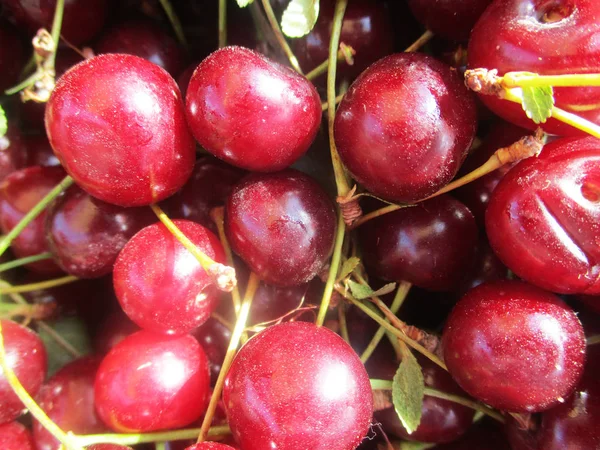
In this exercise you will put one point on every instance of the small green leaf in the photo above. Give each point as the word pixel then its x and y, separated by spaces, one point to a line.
pixel 407 392
pixel 359 291
pixel 244 3
pixel 299 18
pixel 349 265
pixel 386 289
pixel 3 122
pixel 538 103
pixel 72 330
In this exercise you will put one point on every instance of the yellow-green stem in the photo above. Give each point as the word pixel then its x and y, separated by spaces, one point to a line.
pixel 56 27
pixel 593 340
pixel 420 42
pixel 24 261
pixel 527 79
pixel 333 270
pixel 322 68
pixel 218 217
pixel 280 37
pixel 175 23
pixel 36 286
pixel 222 23
pixel 343 323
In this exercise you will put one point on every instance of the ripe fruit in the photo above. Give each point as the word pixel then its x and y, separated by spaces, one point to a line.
pixel 405 126
pixel 302 379
pixel 209 446
pixel 14 436
pixel 250 111
pixel 122 137
pixel 514 346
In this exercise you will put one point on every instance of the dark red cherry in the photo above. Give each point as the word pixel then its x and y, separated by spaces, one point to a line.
pixel 26 356
pixel 152 382
pixel 14 436
pixel 302 379
pixel 214 338
pixel 113 329
pixel 250 111
pixel 123 138
pixel 39 151
pixel 431 244
pixel 82 19
pixel 12 56
pixel 85 234
pixel 13 151
pixel 405 126
pixel 144 39
pixel 514 346
pixel 68 399
pixel 19 193
pixel 282 225
pixel 486 267
pixel 485 434
pixel 451 19
pixel 546 230
pixel 160 284
pixel 530 35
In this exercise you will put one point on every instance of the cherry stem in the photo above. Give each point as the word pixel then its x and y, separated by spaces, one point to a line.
pixel 37 286
pixel 56 27
pixel 222 23
pixel 160 445
pixel 341 309
pixel 322 68
pixel 31 405
pixel 240 324
pixel 527 79
pixel 386 385
pixel 146 438
pixel 24 261
pixel 175 23
pixel 338 99
pixel 593 340
pixel 401 293
pixel 420 42
pixel 280 37
pixel 222 275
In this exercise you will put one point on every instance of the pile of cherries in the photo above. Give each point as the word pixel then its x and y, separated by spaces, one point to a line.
pixel 231 144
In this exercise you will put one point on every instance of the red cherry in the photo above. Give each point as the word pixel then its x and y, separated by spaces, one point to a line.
pixel 123 138
pixel 514 346
pixel 210 446
pixel 14 436
pixel 214 338
pixel 116 327
pixel 302 379
pixel 13 151
pixel 250 111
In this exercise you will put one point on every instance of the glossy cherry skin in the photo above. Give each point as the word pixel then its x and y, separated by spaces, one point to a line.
pixel 431 244
pixel 82 19
pixel 14 436
pixel 152 382
pixel 405 126
pixel 514 346
pixel 210 446
pixel 26 356
pixel 547 230
pixel 282 225
pixel 20 192
pixel 123 138
pixel 530 35
pixel 302 379
pixel 68 399
pixel 451 19
pixel 214 338
pixel 250 111
pixel 12 56
pixel 486 267
pixel 144 39
pixel 160 284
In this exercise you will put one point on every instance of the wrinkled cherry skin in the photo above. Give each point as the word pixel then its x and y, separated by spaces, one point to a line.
pixel 82 19
pixel 151 382
pixel 512 35
pixel 543 220
pixel 144 39
pixel 431 244
pixel 19 193
pixel 514 346
pixel 68 399
pixel 282 225
pixel 26 356
pixel 160 284
pixel 405 126
pixel 14 436
pixel 12 56
pixel 302 379
pixel 250 111
pixel 85 234
pixel 122 137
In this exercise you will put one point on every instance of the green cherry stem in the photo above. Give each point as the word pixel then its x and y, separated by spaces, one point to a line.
pixel 175 23
pixel 341 310
pixel 529 79
pixel 420 42
pixel 593 340
pixel 322 68
pixel 30 404
pixel 280 37
pixel 338 99
pixel 36 286
pixel 56 27
pixel 222 23
pixel 160 445
pixel 24 261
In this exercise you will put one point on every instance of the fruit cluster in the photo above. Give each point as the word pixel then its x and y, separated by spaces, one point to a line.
pixel 306 239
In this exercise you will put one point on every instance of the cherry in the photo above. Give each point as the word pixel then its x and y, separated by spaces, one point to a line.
pixel 116 327
pixel 151 382
pixel 210 446
pixel 431 244
pixel 302 379
pixel 282 225
pixel 530 35
pixel 14 436
pixel 214 338
pixel 82 19
pixel 39 151
pixel 26 356
pixel 486 267
pixel 19 192
pixel 85 234
pixel 13 152
pixel 405 126
pixel 160 284
pixel 546 231
pixel 485 434
pixel 123 138
pixel 250 111
pixel 68 399
pixel 514 346
pixel 12 56
pixel 144 39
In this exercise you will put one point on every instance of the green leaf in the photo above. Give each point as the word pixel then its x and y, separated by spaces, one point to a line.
pixel 348 267
pixel 385 289
pixel 3 122
pixel 299 18
pixel 538 103
pixel 244 3
pixel 72 330
pixel 359 291
pixel 407 392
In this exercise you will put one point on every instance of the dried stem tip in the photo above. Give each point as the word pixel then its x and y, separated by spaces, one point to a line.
pixel 224 276
pixel 525 147
pixel 484 81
